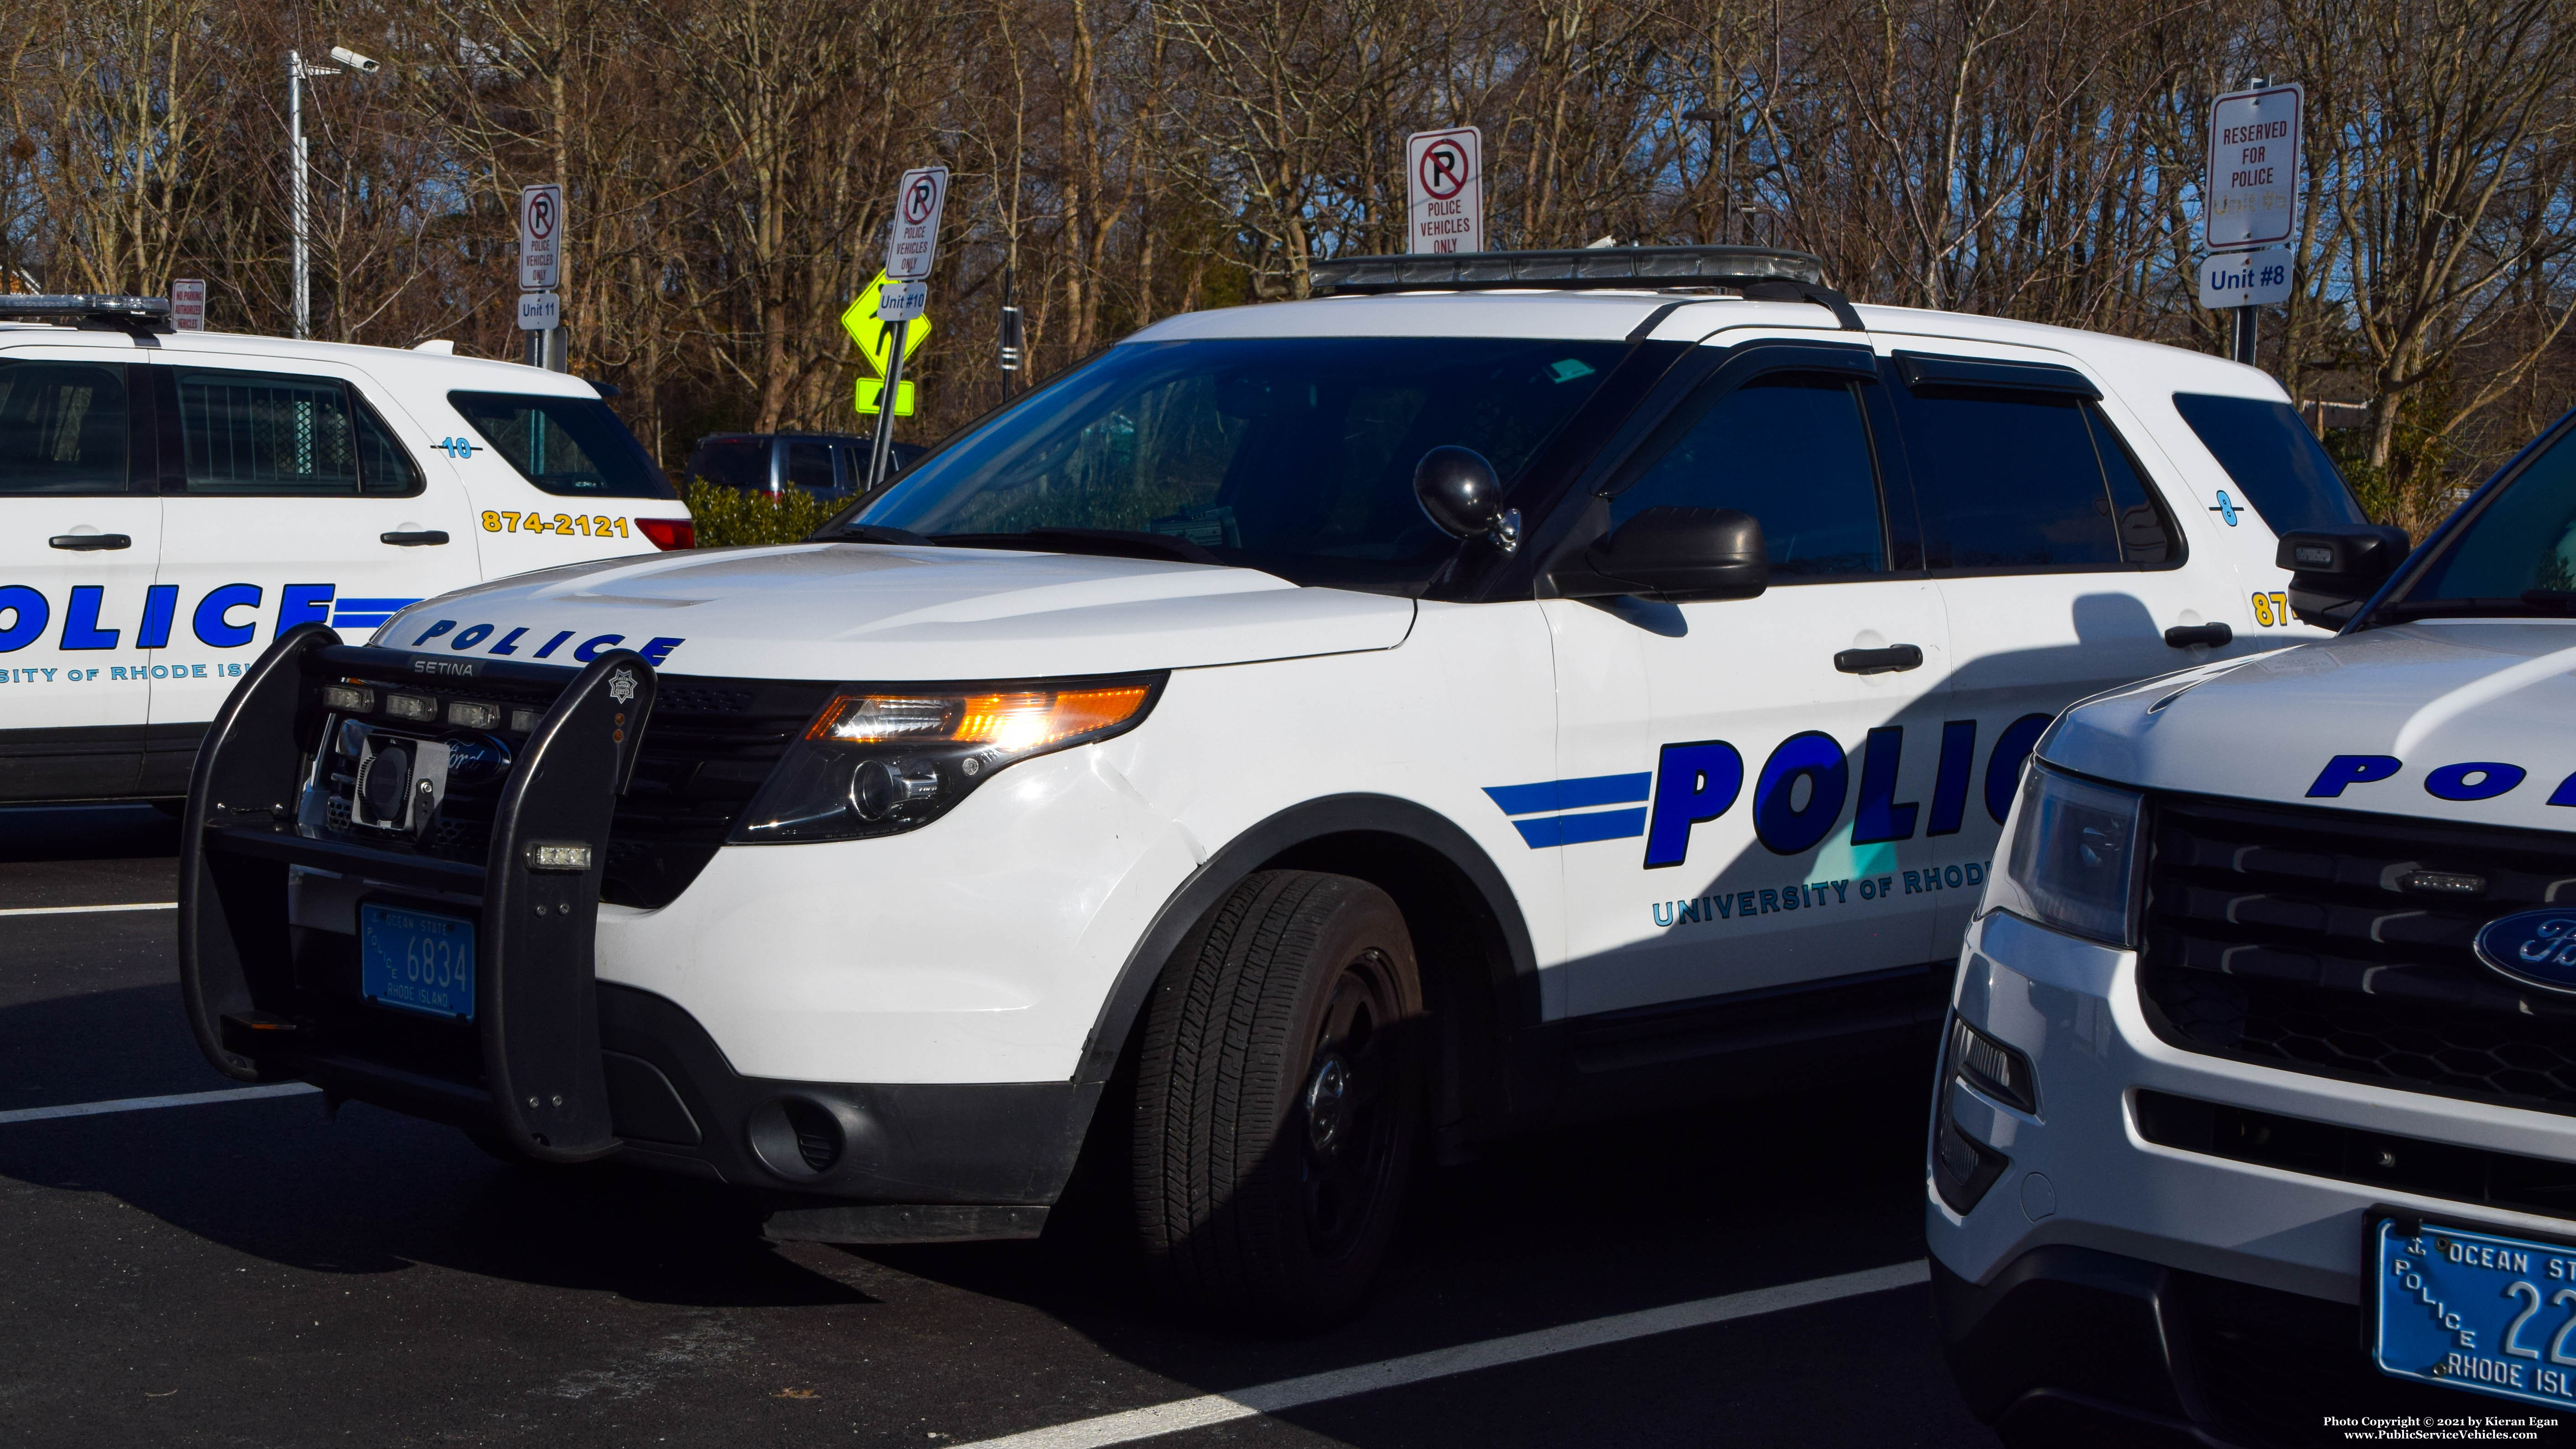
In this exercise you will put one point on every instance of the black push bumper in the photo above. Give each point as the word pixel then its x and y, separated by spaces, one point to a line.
pixel 2073 1346
pixel 552 1064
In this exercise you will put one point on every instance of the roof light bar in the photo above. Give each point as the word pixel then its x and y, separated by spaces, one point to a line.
pixel 1763 273
pixel 1572 267
pixel 148 314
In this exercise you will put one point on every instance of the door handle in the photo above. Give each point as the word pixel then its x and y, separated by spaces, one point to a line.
pixel 414 540
pixel 1890 660
pixel 88 542
pixel 2183 636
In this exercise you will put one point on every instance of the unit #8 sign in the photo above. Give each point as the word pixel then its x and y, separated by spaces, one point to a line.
pixel 2252 197
pixel 1445 174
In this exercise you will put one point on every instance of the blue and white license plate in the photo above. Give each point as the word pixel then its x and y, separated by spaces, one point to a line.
pixel 416 961
pixel 2477 1311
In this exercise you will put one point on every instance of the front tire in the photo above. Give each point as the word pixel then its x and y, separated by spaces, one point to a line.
pixel 1279 1101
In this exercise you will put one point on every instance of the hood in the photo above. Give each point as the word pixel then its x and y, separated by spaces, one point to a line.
pixel 876 612
pixel 2461 719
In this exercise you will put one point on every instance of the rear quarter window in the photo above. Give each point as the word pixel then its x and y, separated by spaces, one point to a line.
pixel 570 446
pixel 2274 461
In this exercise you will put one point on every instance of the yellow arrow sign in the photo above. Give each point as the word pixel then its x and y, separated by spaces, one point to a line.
pixel 859 319
pixel 871 396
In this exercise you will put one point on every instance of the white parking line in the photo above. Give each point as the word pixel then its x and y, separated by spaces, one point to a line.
pixel 1439 1363
pixel 146 1104
pixel 87 910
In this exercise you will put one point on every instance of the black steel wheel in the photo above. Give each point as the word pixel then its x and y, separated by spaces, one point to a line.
pixel 1279 1101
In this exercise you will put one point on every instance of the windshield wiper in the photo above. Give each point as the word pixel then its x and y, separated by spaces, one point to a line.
pixel 2530 604
pixel 875 533
pixel 1111 542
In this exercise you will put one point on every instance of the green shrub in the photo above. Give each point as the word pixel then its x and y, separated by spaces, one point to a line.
pixel 729 516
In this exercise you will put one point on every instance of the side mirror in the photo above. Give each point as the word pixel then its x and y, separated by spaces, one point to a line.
pixel 1676 554
pixel 2334 571
pixel 1460 492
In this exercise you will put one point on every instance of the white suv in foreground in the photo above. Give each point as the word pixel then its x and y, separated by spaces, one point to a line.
pixel 2258 1115
pixel 1514 688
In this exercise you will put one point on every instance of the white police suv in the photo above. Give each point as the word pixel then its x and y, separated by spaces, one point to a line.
pixel 2258 1114
pixel 171 502
pixel 1512 687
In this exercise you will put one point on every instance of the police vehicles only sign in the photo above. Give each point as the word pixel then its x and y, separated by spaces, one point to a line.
pixel 1445 175
pixel 2253 183
pixel 912 244
pixel 540 238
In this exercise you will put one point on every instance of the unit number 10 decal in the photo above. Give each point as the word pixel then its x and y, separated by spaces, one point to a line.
pixel 562 524
pixel 2269 609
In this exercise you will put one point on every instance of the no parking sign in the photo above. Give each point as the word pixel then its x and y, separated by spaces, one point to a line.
pixel 1445 174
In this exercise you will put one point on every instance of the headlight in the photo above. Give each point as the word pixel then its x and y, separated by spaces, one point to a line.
pixel 2071 857
pixel 879 760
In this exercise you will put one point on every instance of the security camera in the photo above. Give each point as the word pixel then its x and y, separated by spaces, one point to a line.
pixel 354 61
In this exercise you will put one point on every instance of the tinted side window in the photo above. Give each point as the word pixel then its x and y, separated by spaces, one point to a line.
pixel 574 447
pixel 383 467
pixel 1791 450
pixel 2273 459
pixel 809 466
pixel 733 462
pixel 2020 480
pixel 62 427
pixel 265 432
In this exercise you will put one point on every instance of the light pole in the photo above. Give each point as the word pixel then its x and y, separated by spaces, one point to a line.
pixel 1726 185
pixel 297 73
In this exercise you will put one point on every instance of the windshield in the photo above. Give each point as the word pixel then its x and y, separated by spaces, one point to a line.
pixel 2522 540
pixel 572 446
pixel 1290 455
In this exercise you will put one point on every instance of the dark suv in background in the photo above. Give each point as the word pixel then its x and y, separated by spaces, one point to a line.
pixel 826 465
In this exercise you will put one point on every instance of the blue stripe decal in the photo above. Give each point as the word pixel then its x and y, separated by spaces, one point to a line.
pixel 374 606
pixel 1604 790
pixel 1577 829
pixel 1572 794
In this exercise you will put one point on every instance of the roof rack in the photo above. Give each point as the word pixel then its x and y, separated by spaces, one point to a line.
pixel 91 310
pixel 1765 273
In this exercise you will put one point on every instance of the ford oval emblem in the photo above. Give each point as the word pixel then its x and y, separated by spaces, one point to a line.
pixel 2534 947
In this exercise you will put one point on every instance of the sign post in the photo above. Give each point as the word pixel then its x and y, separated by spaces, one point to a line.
pixel 1444 174
pixel 188 305
pixel 912 244
pixel 541 218
pixel 2250 202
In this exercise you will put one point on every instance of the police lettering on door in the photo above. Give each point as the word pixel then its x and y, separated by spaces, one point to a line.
pixel 227 617
pixel 1797 802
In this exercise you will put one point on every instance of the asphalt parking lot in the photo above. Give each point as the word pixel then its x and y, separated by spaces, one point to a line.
pixel 250 1271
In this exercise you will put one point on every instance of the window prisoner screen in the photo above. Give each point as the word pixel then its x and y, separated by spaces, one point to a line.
pixel 261 432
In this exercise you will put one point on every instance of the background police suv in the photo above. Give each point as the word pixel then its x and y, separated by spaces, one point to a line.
pixel 1302 735
pixel 171 502
pixel 2264 1059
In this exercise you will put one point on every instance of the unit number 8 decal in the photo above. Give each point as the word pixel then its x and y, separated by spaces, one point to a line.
pixel 2271 609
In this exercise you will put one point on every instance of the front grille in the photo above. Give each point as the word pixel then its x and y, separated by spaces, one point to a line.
pixel 2282 935
pixel 707 749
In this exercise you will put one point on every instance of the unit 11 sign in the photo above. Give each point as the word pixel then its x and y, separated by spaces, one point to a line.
pixel 1445 174
pixel 2252 198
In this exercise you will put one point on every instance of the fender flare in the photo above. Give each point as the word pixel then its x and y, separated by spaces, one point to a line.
pixel 1514 978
